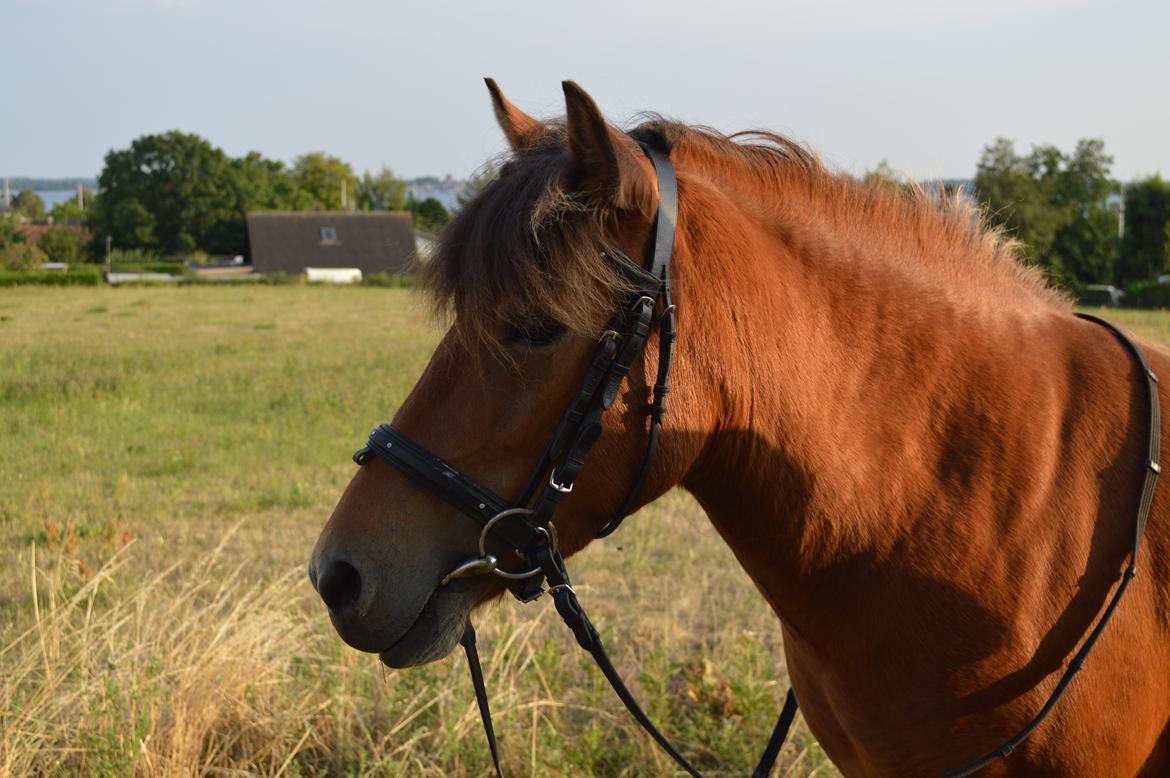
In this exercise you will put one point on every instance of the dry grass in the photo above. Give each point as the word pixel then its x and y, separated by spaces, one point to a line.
pixel 203 668
pixel 154 614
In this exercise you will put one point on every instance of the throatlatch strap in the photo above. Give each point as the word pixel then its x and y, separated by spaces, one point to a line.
pixel 481 697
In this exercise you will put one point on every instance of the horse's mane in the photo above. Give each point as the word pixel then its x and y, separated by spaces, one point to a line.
pixel 941 240
pixel 528 246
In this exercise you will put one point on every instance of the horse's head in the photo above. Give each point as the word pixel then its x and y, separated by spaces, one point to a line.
pixel 525 272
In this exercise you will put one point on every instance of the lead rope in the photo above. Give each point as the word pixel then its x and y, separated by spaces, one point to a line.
pixel 570 610
pixel 481 698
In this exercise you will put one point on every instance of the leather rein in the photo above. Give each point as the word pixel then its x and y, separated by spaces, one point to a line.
pixel 525 525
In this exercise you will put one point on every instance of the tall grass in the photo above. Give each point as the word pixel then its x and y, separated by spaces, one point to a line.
pixel 169 456
pixel 205 668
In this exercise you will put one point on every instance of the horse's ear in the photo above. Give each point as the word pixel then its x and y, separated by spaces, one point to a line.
pixel 612 168
pixel 521 130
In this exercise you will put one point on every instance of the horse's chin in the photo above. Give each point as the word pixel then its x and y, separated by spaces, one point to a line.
pixel 436 631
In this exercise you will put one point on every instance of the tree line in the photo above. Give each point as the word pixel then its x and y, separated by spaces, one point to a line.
pixel 1072 218
pixel 175 194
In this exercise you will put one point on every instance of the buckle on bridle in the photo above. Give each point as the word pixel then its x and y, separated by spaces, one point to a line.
pixel 552 481
pixel 608 335
pixel 643 300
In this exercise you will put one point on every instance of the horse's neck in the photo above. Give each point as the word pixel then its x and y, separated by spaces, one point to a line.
pixel 846 402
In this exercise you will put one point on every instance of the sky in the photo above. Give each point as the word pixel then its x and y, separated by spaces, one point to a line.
pixel 922 84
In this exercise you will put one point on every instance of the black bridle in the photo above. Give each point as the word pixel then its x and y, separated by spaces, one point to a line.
pixel 525 525
pixel 530 531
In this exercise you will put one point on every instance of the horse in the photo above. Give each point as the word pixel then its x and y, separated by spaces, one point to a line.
pixel 923 460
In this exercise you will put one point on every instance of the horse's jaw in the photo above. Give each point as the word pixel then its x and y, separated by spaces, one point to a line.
pixel 435 632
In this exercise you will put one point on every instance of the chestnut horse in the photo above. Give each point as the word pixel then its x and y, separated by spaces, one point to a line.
pixel 925 462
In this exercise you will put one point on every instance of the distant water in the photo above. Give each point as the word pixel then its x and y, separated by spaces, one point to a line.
pixel 54 196
pixel 51 197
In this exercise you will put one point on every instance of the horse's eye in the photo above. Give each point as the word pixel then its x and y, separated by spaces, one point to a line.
pixel 533 333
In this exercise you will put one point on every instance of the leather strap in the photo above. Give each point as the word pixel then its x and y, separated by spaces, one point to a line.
pixel 656 411
pixel 779 735
pixel 481 697
pixel 570 610
pixel 433 474
pixel 663 247
pixel 1149 480
pixel 667 213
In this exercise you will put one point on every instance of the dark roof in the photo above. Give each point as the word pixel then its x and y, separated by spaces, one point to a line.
pixel 290 241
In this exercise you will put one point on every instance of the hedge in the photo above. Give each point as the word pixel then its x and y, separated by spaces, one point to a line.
pixel 81 277
pixel 1147 294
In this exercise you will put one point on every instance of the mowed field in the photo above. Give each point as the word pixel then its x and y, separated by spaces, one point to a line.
pixel 167 458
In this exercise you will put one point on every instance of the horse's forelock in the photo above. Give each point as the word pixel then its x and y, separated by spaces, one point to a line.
pixel 526 247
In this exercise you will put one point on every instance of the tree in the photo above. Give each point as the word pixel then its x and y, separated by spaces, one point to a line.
pixel 1056 205
pixel 69 212
pixel 266 184
pixel 257 184
pixel 8 232
pixel 1086 241
pixel 1015 191
pixel 21 256
pixel 166 193
pixel 29 205
pixel 381 191
pixel 1145 246
pixel 323 177
pixel 429 215
pixel 61 244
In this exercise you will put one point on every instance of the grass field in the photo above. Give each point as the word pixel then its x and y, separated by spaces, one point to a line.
pixel 168 458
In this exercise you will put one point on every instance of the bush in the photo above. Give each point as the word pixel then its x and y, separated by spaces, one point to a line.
pixel 21 256
pixel 89 276
pixel 1147 294
pixel 171 268
pixel 61 244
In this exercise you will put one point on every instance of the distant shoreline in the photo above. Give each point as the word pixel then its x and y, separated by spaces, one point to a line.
pixel 20 183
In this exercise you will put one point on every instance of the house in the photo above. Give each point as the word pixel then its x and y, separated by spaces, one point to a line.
pixel 291 241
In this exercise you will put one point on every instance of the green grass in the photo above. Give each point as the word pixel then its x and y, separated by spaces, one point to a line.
pixel 169 457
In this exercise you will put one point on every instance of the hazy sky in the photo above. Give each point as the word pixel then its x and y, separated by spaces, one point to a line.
pixel 924 84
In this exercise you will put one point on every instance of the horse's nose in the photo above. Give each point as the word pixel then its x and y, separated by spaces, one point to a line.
pixel 338 582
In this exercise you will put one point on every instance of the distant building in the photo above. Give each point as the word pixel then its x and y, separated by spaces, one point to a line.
pixel 290 241
pixel 33 232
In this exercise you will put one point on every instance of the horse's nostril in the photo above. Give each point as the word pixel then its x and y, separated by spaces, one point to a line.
pixel 339 585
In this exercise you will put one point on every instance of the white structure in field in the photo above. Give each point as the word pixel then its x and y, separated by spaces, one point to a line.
pixel 333 275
